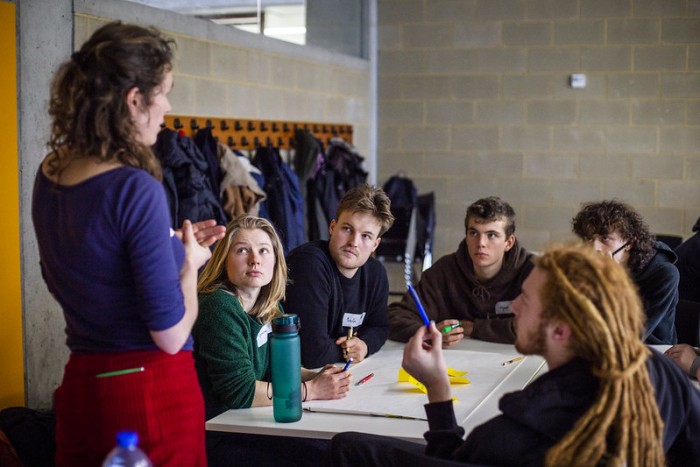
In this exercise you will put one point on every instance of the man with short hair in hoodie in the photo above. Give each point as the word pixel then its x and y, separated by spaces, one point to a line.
pixel 616 229
pixel 468 293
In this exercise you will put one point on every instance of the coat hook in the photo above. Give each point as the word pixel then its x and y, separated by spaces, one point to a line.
pixel 324 129
pixel 193 124
pixel 263 127
pixel 342 130
pixel 208 124
pixel 251 127
pixel 177 124
pixel 315 128
pixel 244 141
pixel 285 127
pixel 237 125
pixel 224 126
pixel 231 142
pixel 268 141
pixel 275 128
pixel 280 142
pixel 256 142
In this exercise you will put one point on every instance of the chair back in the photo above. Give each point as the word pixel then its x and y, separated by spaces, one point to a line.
pixel 671 240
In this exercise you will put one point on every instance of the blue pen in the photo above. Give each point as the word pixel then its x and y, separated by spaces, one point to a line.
pixel 419 305
pixel 347 365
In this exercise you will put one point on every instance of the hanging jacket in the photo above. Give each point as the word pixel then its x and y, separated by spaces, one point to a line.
pixel 308 150
pixel 205 141
pixel 240 192
pixel 186 180
pixel 284 202
pixel 340 171
pixel 345 161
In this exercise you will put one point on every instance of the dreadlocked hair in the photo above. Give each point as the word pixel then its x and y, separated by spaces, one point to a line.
pixel 596 297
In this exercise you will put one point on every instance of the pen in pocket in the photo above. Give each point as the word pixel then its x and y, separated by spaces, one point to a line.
pixel 120 372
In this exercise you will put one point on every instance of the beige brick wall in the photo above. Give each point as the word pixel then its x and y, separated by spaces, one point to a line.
pixel 219 78
pixel 474 100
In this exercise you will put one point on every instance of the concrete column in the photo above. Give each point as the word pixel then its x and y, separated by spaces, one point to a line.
pixel 45 29
pixel 338 25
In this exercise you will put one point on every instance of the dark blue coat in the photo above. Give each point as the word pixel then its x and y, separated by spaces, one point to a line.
pixel 658 286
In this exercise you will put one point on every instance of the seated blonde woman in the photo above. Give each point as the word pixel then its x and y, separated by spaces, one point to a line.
pixel 239 293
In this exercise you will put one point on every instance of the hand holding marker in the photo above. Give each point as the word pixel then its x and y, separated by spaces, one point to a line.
pixel 345 350
pixel 450 327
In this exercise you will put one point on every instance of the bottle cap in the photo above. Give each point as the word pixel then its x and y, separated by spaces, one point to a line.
pixel 285 324
pixel 127 439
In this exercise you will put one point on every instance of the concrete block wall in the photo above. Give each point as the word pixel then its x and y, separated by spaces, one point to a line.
pixel 474 100
pixel 217 76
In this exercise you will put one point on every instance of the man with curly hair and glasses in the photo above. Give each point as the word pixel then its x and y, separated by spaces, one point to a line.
pixel 616 229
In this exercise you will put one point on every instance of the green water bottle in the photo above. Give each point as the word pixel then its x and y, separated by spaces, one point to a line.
pixel 285 356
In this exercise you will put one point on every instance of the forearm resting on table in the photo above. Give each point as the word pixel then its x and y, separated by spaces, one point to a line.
pixel 260 399
pixel 263 391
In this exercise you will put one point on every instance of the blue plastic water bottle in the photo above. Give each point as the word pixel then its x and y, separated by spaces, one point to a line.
pixel 285 356
pixel 127 453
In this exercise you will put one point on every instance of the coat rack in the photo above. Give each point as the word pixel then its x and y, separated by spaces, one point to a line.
pixel 240 133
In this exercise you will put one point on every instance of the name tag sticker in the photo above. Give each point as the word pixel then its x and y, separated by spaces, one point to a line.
pixel 262 335
pixel 503 308
pixel 353 320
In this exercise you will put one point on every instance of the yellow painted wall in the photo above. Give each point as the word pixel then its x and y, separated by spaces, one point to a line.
pixel 11 360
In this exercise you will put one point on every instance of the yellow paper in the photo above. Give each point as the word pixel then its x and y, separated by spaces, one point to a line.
pixel 455 377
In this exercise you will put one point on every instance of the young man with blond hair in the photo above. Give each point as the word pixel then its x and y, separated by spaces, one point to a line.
pixel 338 290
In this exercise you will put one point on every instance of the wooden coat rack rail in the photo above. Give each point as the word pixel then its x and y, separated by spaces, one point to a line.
pixel 241 133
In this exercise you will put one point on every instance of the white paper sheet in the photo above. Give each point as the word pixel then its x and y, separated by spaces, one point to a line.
pixel 384 396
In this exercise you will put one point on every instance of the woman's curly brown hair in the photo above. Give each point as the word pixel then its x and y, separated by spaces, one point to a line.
pixel 90 116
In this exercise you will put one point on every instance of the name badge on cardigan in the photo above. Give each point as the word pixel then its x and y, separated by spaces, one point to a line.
pixel 263 333
pixel 353 320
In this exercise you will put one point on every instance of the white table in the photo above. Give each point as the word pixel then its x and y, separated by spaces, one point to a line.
pixel 324 425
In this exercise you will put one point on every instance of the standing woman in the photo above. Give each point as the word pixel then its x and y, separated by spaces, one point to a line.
pixel 239 294
pixel 125 281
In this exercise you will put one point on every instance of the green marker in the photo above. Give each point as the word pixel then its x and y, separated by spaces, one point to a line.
pixel 120 372
pixel 449 328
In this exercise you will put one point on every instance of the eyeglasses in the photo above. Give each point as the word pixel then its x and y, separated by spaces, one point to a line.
pixel 620 249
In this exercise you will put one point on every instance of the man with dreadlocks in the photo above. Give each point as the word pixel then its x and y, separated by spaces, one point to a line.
pixel 607 399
